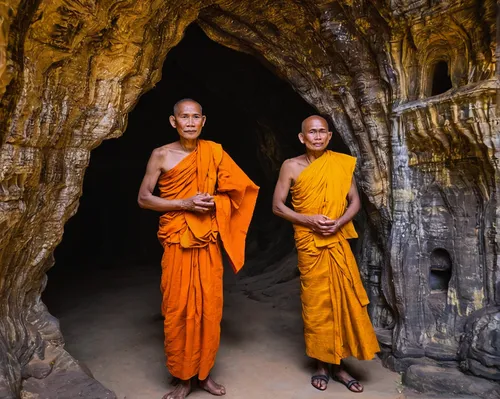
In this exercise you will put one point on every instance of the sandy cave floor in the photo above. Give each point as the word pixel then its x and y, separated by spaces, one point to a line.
pixel 111 321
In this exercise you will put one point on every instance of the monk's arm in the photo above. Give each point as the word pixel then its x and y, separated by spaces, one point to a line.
pixel 353 207
pixel 147 200
pixel 280 208
pixel 281 193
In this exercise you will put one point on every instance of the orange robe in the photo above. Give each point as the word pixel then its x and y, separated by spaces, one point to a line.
pixel 336 322
pixel 191 281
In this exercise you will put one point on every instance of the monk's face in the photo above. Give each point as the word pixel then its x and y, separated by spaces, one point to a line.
pixel 188 120
pixel 315 135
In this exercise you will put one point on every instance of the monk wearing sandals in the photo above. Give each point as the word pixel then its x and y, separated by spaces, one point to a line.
pixel 334 301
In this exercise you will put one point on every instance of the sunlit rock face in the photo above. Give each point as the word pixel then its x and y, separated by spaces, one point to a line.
pixel 410 86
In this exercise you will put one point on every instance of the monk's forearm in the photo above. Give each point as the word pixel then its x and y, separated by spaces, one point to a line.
pixel 286 213
pixel 158 204
pixel 349 214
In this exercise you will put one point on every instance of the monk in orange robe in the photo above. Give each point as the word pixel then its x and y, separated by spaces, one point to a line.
pixel 324 200
pixel 205 199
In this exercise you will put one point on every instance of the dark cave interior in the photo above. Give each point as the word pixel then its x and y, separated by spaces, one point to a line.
pixel 441 81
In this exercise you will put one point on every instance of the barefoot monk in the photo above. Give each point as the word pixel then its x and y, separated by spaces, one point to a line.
pixel 206 200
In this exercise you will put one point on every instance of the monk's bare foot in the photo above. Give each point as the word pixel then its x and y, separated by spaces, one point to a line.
pixel 211 386
pixel 345 378
pixel 182 389
pixel 321 377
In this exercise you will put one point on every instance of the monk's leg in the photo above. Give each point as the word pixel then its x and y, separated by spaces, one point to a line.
pixel 211 386
pixel 182 389
pixel 211 271
pixel 180 307
pixel 345 378
pixel 320 378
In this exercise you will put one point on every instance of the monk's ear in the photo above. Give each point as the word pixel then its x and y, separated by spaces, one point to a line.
pixel 203 120
pixel 301 137
pixel 329 137
pixel 172 121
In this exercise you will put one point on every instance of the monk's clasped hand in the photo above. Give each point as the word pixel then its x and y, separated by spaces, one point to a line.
pixel 331 227
pixel 323 225
pixel 201 203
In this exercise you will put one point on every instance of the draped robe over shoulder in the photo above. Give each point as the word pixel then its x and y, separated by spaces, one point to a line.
pixel 336 322
pixel 191 282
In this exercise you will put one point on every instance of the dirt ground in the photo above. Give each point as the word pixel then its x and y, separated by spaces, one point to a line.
pixel 111 322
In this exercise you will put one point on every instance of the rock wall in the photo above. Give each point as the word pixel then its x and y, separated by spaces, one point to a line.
pixel 443 240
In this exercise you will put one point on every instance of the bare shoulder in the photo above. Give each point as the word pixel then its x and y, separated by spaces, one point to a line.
pixel 291 162
pixel 296 163
pixel 295 166
pixel 161 152
pixel 292 167
pixel 160 156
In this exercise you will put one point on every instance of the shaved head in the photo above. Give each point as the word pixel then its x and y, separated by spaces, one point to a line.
pixel 186 100
pixel 315 134
pixel 311 118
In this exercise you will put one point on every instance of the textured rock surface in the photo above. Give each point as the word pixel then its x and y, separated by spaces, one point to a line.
pixel 449 381
pixel 70 71
pixel 480 347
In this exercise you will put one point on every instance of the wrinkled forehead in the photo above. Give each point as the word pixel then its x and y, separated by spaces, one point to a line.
pixel 316 124
pixel 189 107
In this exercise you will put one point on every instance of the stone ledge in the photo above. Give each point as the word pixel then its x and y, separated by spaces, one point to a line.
pixel 449 381
pixel 65 385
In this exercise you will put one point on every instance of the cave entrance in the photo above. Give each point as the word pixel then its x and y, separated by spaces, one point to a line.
pixel 107 272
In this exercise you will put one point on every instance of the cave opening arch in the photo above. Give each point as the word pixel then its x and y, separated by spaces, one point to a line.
pixel 109 249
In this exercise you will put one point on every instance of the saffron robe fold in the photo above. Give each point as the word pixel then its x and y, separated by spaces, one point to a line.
pixel 191 281
pixel 336 322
